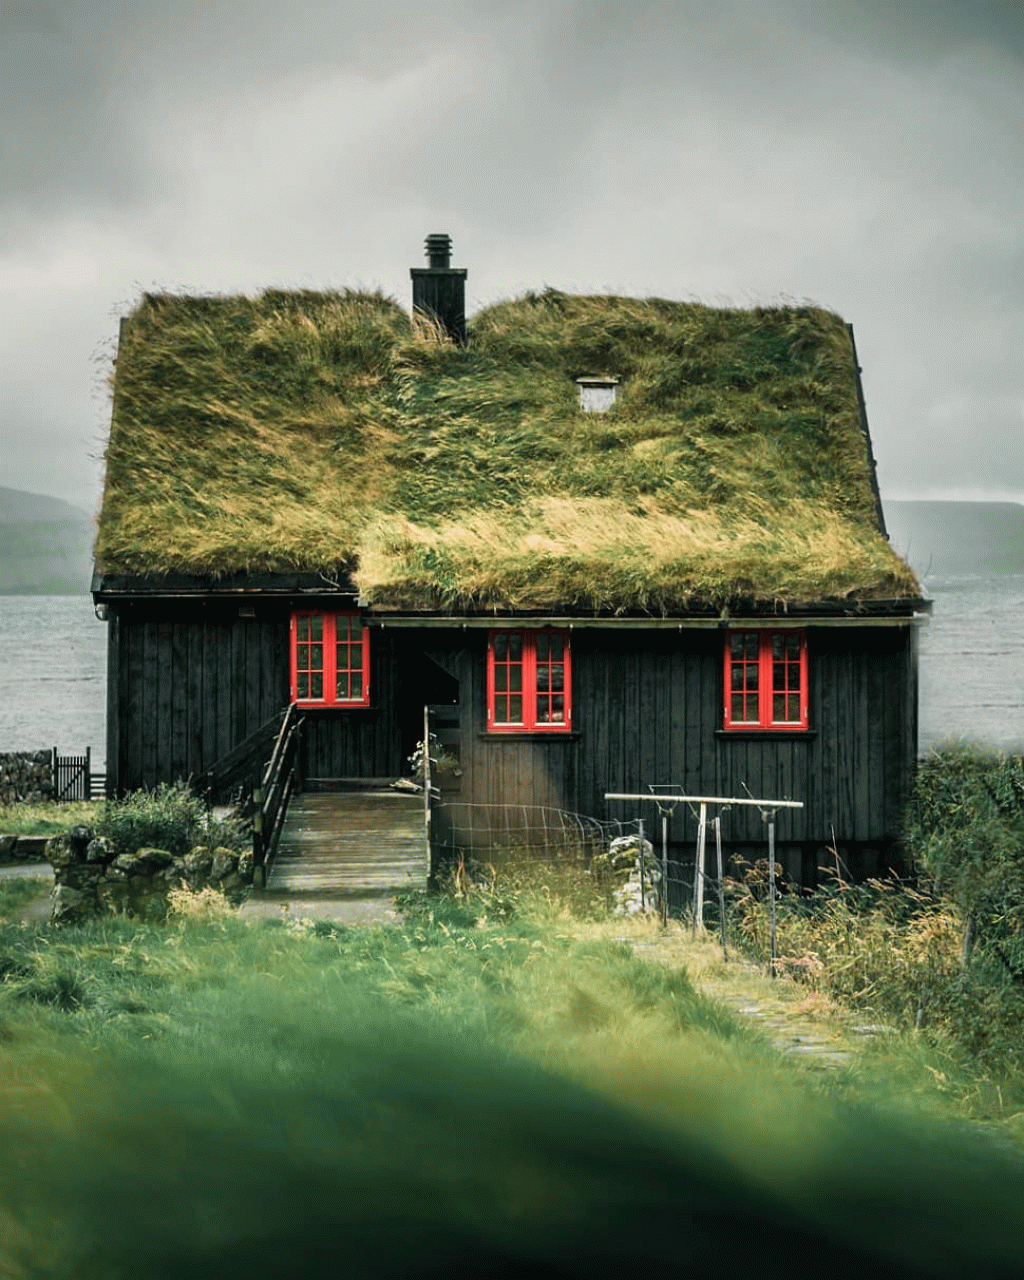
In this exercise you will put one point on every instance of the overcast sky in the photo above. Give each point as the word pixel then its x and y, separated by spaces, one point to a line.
pixel 866 155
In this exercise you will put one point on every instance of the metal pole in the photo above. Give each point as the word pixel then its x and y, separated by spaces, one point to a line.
pixel 698 872
pixel 664 870
pixel 771 890
pixel 721 887
pixel 643 898
pixel 426 783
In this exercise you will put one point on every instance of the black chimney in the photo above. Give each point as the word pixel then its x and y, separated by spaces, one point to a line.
pixel 440 289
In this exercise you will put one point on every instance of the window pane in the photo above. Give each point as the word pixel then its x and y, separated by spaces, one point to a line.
pixel 515 647
pixel 515 706
pixel 737 707
pixel 355 657
pixel 737 675
pixel 501 648
pixel 303 682
pixel 558 676
pixel 558 708
pixel 793 647
pixel 316 656
pixel 778 707
pixel 542 677
pixel 317 626
pixel 516 678
pixel 750 645
pixel 500 678
pixel 542 711
pixel 317 684
pixel 793 712
pixel 778 675
pixel 736 645
pixel 355 628
pixel 794 675
pixel 356 685
pixel 778 647
pixel 542 647
pixel 751 673
pixel 558 648
pixel 302 627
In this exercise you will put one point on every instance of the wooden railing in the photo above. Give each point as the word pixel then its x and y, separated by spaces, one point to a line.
pixel 270 799
pixel 239 771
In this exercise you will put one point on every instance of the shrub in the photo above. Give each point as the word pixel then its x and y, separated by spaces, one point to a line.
pixel 170 817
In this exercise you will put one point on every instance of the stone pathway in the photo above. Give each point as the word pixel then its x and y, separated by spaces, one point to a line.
pixel 824 1038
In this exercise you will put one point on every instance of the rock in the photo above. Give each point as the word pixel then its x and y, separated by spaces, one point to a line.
pixel 81 875
pixel 99 850
pixel 143 861
pixel 197 866
pixel 112 893
pixel 71 906
pixel 224 862
pixel 7 844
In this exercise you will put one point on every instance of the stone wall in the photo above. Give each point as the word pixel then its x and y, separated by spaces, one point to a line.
pixel 17 850
pixel 92 879
pixel 26 775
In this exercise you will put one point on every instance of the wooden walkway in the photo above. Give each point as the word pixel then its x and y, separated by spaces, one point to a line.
pixel 343 855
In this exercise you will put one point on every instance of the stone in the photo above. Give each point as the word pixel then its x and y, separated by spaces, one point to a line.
pixel 197 866
pixel 80 875
pixel 7 844
pixel 224 862
pixel 143 861
pixel 99 850
pixel 71 906
pixel 112 893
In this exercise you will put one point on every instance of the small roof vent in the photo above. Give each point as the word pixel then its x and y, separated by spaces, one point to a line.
pixel 597 395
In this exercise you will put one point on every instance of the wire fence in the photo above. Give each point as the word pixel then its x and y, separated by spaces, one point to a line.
pixel 628 857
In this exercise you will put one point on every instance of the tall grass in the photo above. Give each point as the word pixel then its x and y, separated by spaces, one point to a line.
pixel 944 955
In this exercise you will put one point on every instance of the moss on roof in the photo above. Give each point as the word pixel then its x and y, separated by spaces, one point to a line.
pixel 307 431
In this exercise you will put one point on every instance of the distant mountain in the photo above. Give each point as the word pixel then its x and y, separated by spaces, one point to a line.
pixel 45 545
pixel 958 537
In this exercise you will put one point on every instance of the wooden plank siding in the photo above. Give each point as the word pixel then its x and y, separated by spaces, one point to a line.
pixel 187 682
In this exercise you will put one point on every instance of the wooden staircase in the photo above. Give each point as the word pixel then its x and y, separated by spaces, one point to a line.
pixel 343 854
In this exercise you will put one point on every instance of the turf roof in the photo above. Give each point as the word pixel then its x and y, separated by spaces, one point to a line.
pixel 307 431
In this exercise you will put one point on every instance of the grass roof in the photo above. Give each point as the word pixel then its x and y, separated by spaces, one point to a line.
pixel 308 431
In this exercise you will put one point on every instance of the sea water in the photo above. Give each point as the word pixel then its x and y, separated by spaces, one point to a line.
pixel 53 668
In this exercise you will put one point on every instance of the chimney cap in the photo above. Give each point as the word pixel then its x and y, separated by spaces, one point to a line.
pixel 439 249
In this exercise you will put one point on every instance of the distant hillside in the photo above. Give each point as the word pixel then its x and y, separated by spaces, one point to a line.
pixel 45 545
pixel 958 537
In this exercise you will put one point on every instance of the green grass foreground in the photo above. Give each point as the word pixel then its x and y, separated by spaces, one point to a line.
pixel 494 1083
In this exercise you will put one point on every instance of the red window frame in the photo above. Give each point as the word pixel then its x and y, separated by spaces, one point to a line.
pixel 330 659
pixel 529 681
pixel 765 679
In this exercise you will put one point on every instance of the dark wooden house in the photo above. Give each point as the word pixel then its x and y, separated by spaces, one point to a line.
pixel 613 542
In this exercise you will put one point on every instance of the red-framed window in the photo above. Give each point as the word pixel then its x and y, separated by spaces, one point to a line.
pixel 330 659
pixel 766 680
pixel 529 681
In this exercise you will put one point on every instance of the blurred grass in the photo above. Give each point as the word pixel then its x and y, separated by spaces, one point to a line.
pixel 492 1083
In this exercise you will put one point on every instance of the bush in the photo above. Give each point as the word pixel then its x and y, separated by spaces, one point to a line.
pixel 170 817
pixel 965 830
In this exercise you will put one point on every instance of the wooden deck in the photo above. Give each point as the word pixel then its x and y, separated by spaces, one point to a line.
pixel 342 855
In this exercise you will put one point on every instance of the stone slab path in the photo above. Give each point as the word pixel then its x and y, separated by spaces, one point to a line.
pixel 343 855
